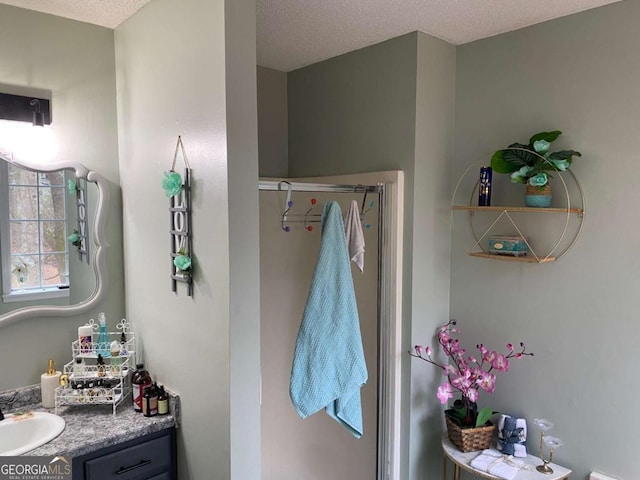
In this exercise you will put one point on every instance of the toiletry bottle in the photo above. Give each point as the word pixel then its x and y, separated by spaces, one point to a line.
pixel 150 402
pixel 78 368
pixel 124 354
pixel 102 371
pixel 163 402
pixel 484 188
pixel 123 345
pixel 84 338
pixel 116 359
pixel 139 381
pixel 49 381
pixel 101 366
pixel 155 393
pixel 146 400
pixel 103 347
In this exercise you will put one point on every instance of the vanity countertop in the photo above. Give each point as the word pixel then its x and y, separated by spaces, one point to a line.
pixel 92 427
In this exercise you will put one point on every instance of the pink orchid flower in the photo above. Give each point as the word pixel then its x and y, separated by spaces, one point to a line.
pixel 472 394
pixel 445 392
pixel 487 382
pixel 501 363
pixel 489 357
pixel 468 374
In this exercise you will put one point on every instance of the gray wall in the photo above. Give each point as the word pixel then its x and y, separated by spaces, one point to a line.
pixel 175 77
pixel 244 260
pixel 429 227
pixel 354 112
pixel 380 108
pixel 175 50
pixel 272 122
pixel 579 74
pixel 75 62
pixel 386 107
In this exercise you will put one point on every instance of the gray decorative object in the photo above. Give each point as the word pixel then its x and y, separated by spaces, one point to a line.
pixel 82 207
pixel 179 192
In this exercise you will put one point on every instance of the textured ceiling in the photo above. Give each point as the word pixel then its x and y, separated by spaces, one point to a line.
pixel 294 33
pixel 108 13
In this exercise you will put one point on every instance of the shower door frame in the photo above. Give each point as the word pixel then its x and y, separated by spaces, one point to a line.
pixel 389 186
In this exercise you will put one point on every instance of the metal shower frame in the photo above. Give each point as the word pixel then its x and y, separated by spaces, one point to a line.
pixel 385 421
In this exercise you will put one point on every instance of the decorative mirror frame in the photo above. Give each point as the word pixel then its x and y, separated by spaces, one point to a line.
pixel 99 241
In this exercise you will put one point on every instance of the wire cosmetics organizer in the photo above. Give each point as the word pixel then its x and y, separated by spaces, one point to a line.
pixel 312 216
pixel 86 382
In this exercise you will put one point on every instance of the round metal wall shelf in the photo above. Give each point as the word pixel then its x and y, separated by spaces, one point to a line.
pixel 564 241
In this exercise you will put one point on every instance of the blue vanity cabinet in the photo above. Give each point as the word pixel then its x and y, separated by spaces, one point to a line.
pixel 150 457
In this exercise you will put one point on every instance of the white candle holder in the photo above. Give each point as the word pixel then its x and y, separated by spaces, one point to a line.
pixel 551 442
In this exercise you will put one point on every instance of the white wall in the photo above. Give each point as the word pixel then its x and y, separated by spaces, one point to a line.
pixel 74 62
pixel 170 60
pixel 579 74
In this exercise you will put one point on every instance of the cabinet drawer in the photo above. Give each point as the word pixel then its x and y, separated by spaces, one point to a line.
pixel 162 476
pixel 141 461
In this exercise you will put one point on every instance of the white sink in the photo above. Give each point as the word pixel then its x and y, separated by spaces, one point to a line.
pixel 22 433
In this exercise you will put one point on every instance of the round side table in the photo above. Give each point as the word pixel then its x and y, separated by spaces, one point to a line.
pixel 462 461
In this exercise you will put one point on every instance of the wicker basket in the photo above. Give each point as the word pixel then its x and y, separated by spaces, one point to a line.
pixel 469 439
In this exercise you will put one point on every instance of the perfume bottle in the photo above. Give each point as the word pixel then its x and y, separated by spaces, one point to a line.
pixel 104 346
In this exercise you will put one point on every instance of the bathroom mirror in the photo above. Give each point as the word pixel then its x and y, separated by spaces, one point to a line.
pixel 86 276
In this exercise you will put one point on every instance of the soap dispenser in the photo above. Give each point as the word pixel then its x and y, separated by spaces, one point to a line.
pixel 49 381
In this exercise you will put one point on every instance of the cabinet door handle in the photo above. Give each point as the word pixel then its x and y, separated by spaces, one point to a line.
pixel 133 467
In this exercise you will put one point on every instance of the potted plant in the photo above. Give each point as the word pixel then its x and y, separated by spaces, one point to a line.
pixel 530 164
pixel 468 428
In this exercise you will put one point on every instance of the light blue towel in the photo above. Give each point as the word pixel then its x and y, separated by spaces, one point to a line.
pixel 328 364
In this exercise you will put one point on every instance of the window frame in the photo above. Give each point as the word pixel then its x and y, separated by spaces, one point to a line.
pixel 30 293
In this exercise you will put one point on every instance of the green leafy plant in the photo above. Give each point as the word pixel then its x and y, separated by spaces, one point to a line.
pixel 530 163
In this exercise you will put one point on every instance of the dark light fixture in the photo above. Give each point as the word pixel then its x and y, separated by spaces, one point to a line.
pixel 38 116
pixel 25 109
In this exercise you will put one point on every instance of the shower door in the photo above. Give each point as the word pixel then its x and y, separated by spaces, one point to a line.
pixel 316 448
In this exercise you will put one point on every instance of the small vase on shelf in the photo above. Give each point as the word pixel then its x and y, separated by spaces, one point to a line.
pixel 539 197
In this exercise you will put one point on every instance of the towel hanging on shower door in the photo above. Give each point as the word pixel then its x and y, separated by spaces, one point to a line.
pixel 328 363
pixel 354 236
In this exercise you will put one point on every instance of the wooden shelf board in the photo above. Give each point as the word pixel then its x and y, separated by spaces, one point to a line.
pixel 508 258
pixel 505 208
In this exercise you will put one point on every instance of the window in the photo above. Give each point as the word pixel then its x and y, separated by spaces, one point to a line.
pixel 33 233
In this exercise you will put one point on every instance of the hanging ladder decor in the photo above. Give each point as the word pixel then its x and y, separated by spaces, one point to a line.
pixel 178 189
pixel 82 207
